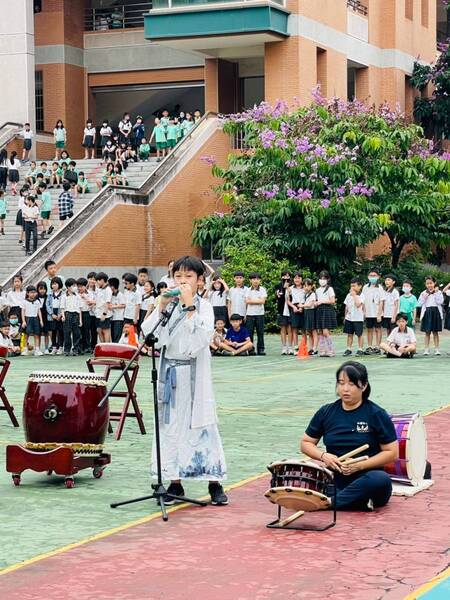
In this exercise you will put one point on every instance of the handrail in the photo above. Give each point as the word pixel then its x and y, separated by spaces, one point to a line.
pixel 12 133
pixel 116 17
pixel 52 245
pixel 358 6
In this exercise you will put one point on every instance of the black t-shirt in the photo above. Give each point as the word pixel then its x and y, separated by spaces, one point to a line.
pixel 344 430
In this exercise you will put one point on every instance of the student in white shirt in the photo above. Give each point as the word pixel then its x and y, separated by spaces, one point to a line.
pixel 217 296
pixel 401 342
pixel 295 300
pixel 354 317
pixel 326 319
pixel 91 293
pixel 16 297
pixel 27 135
pixel 32 319
pixel 168 279
pixel 118 308
pixel 71 318
pixel 132 300
pixel 391 301
pixel 13 171
pixel 84 297
pixel 5 339
pixel 255 298
pixel 89 134
pixel 146 302
pixel 431 313
pixel 373 308
pixel 103 307
pixel 236 296
pixel 30 215
pixel 125 127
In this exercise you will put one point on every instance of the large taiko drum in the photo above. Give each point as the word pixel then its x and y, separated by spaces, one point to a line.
pixel 62 409
pixel 3 352
pixel 114 351
pixel 299 485
pixel 410 466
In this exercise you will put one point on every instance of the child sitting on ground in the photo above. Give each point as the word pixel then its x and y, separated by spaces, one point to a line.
pixel 82 185
pixel 30 177
pixel 6 341
pixel 237 338
pixel 218 337
pixel 401 342
pixel 144 150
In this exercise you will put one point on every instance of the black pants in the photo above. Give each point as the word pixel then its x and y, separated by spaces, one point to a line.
pixel 72 332
pixel 3 178
pixel 116 331
pixel 93 330
pixel 30 230
pixel 85 331
pixel 256 322
pixel 57 334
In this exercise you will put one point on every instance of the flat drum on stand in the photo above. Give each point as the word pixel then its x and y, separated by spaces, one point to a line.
pixel 410 466
pixel 62 408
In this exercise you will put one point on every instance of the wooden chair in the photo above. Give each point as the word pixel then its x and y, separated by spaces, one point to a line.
pixel 4 367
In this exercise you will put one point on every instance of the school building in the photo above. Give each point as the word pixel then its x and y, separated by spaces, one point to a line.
pixel 70 59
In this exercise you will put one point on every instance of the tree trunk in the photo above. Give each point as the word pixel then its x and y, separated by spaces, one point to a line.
pixel 396 250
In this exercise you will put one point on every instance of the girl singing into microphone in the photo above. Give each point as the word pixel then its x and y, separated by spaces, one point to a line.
pixel 191 447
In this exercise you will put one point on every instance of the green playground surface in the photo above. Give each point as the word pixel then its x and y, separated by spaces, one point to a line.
pixel 264 404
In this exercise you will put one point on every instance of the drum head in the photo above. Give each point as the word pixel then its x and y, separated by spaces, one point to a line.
pixel 280 466
pixel 297 498
pixel 416 449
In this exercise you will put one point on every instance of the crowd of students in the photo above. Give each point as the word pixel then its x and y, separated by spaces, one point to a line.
pixel 310 311
pixel 56 317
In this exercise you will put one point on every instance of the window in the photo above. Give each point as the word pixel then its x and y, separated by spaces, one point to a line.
pixel 39 100
pixel 424 13
pixel 409 14
pixel 321 70
pixel 210 255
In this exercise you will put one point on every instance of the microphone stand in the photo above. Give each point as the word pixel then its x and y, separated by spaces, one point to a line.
pixel 159 491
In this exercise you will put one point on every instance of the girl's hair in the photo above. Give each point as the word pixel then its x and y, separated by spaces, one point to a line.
pixel 308 281
pixel 222 287
pixel 88 121
pixel 91 275
pixel 324 275
pixel 3 155
pixel 42 285
pixel 19 277
pixel 374 270
pixel 58 281
pixel 357 281
pixel 430 278
pixel 357 373
pixel 70 282
pixel 286 272
pixel 12 157
pixel 298 274
pixel 57 124
pixel 189 263
pixel 30 288
pixel 394 279
pixel 160 286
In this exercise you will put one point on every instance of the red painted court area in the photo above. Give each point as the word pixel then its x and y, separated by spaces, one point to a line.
pixel 228 554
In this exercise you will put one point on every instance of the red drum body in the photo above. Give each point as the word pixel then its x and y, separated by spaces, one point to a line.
pixel 410 466
pixel 3 352
pixel 116 351
pixel 62 408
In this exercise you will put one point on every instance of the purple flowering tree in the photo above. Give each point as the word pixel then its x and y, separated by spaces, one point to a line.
pixel 315 183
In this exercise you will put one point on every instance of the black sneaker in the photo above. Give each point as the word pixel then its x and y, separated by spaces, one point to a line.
pixel 218 496
pixel 51 229
pixel 360 353
pixel 261 353
pixel 368 351
pixel 177 490
pixel 348 352
pixel 376 351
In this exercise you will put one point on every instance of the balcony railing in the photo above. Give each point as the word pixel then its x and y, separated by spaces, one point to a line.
pixel 358 7
pixel 188 3
pixel 116 17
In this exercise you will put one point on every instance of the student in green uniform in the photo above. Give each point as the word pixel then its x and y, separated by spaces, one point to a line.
pixel 159 133
pixel 55 177
pixel 408 303
pixel 172 132
pixel 83 184
pixel 3 208
pixel 45 209
pixel 144 149
pixel 47 174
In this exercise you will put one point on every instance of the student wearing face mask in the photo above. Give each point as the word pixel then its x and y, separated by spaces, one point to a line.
pixel 105 133
pixel 373 296
pixel 89 134
pixel 408 303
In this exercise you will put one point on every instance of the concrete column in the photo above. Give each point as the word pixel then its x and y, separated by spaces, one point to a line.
pixel 17 62
pixel 212 84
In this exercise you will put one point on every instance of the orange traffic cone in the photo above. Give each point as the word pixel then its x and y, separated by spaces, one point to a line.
pixel 303 350
pixel 132 339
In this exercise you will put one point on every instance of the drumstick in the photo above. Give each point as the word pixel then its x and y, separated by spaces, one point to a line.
pixel 353 452
pixel 350 461
pixel 291 518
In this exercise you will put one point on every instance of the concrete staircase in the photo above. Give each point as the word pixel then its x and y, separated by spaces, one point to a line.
pixel 12 255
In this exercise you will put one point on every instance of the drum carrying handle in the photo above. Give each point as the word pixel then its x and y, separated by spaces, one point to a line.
pixel 51 413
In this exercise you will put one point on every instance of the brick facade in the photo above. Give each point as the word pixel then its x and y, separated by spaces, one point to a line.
pixel 155 234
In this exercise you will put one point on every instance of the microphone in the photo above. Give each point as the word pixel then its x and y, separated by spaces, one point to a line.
pixel 174 293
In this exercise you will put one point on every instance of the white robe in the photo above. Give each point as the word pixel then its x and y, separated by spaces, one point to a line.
pixel 191 447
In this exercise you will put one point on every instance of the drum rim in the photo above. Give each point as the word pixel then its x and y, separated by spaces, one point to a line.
pixel 325 500
pixel 75 376
pixel 416 420
pixel 297 462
